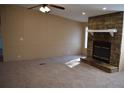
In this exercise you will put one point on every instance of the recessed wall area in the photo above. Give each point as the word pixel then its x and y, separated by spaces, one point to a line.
pixel 29 34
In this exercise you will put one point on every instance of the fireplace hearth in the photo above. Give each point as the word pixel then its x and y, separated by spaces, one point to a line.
pixel 101 51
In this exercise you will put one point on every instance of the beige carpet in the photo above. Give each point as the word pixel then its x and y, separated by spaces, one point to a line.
pixel 53 72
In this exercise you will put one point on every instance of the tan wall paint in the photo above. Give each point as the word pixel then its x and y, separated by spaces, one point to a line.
pixel 44 35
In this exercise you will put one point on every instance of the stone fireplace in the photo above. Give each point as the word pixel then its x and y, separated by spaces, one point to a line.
pixel 107 21
pixel 102 46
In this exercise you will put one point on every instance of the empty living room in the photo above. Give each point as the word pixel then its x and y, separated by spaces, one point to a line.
pixel 61 45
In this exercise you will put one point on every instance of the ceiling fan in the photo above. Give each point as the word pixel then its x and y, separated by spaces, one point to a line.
pixel 45 8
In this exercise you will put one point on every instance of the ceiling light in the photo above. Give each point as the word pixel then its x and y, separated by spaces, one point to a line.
pixel 104 8
pixel 83 13
pixel 42 9
pixel 45 9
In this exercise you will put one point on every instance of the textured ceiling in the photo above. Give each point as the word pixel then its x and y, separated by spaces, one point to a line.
pixel 74 11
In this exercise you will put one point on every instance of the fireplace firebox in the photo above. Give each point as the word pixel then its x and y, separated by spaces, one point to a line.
pixel 102 51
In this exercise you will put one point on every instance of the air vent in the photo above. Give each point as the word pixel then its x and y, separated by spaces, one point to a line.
pixel 42 63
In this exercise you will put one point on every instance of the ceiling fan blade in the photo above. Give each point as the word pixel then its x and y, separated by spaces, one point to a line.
pixel 56 6
pixel 35 6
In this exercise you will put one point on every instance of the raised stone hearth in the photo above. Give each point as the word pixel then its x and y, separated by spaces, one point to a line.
pixel 99 64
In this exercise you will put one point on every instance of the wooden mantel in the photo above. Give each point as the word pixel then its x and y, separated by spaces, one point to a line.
pixel 111 31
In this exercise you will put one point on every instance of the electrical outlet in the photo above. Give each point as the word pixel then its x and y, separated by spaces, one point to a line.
pixel 21 38
pixel 18 56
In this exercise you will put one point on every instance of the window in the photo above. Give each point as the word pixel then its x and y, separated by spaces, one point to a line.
pixel 86 37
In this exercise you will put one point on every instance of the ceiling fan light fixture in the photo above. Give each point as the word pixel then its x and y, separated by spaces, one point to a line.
pixel 42 9
pixel 45 9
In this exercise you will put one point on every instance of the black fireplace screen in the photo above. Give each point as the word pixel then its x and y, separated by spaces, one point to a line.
pixel 102 50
